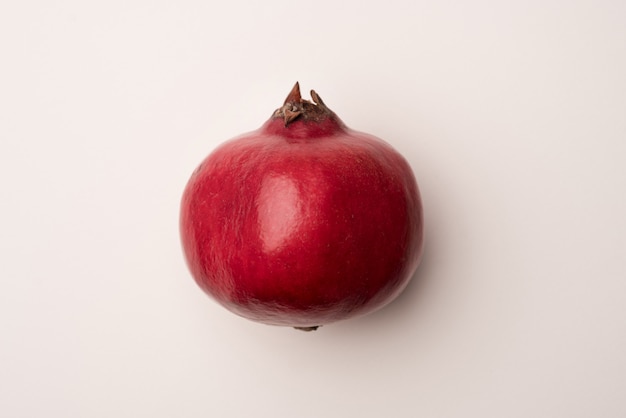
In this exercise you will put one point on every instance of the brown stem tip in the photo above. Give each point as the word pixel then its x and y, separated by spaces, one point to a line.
pixel 294 95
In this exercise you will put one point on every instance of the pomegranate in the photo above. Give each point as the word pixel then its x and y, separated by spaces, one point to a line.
pixel 304 221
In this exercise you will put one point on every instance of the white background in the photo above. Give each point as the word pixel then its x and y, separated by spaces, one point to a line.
pixel 512 114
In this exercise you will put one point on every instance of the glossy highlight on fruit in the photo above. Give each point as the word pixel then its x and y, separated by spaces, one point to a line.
pixel 304 221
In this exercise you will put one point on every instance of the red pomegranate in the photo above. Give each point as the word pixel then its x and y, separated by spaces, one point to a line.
pixel 304 221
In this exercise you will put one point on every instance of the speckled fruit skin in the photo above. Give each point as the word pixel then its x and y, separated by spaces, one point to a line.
pixel 302 222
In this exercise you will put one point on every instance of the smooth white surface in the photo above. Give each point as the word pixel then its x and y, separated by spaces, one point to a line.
pixel 512 114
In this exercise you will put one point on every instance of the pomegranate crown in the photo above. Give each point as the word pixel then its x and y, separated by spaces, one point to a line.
pixel 295 107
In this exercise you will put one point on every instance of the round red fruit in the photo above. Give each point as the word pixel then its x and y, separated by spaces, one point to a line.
pixel 304 221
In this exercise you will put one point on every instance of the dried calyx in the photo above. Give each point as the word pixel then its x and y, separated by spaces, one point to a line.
pixel 296 107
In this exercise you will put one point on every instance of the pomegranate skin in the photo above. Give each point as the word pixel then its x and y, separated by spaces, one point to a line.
pixel 303 222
